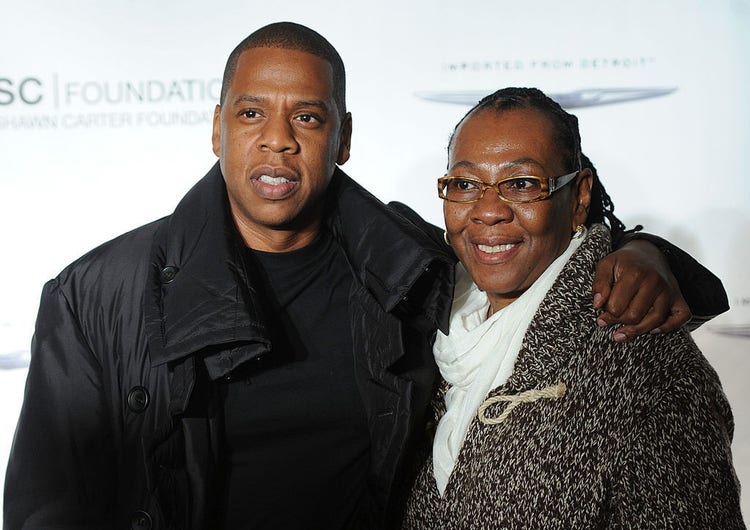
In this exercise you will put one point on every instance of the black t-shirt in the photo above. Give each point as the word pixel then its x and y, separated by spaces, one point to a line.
pixel 296 441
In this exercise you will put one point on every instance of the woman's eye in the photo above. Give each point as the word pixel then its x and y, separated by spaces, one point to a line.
pixel 464 185
pixel 522 184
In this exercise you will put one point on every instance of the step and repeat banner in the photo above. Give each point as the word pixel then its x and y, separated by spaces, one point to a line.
pixel 106 110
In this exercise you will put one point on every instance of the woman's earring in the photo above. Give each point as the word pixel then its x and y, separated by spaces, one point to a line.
pixel 580 230
pixel 445 237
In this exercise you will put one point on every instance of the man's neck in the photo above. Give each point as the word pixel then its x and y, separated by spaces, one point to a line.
pixel 277 240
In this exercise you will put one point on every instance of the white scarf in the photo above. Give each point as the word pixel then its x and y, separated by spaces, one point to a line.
pixel 479 354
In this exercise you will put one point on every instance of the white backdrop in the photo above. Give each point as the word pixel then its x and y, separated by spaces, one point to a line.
pixel 105 111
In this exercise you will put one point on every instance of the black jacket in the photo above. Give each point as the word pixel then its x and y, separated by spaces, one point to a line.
pixel 119 427
pixel 120 423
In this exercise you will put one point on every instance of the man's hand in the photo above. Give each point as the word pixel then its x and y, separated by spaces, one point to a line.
pixel 634 287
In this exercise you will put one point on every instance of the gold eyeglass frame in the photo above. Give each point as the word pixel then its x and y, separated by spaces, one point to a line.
pixel 548 185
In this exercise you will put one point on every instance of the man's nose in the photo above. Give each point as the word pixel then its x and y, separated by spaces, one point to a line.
pixel 277 135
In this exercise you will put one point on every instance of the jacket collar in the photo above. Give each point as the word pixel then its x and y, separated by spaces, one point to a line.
pixel 390 248
pixel 200 295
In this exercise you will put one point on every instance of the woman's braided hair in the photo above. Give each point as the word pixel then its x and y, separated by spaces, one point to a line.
pixel 568 139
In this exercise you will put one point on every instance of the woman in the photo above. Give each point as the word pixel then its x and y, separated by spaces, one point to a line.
pixel 543 421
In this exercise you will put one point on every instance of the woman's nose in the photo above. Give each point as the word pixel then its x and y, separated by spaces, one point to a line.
pixel 491 209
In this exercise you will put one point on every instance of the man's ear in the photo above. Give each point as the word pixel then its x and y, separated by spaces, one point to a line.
pixel 345 139
pixel 583 184
pixel 216 135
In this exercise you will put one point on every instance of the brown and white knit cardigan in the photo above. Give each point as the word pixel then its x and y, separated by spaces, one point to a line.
pixel 640 438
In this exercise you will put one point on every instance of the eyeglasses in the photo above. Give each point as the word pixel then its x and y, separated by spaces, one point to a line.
pixel 519 189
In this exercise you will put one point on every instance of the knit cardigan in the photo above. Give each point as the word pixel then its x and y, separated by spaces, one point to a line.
pixel 640 439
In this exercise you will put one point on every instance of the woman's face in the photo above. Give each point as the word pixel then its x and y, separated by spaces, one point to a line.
pixel 506 247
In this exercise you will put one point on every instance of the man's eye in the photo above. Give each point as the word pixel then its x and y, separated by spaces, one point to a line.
pixel 250 114
pixel 308 118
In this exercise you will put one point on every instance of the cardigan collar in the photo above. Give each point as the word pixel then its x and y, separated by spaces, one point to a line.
pixel 559 329
pixel 562 322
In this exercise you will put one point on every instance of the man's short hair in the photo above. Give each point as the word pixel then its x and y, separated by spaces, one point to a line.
pixel 291 36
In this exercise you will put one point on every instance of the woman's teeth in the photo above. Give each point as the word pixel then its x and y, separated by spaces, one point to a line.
pixel 495 248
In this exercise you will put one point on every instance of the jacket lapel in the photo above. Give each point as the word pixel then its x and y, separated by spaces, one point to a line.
pixel 200 294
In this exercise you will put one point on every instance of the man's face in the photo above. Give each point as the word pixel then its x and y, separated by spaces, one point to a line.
pixel 279 136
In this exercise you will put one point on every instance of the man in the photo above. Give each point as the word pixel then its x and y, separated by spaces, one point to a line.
pixel 262 357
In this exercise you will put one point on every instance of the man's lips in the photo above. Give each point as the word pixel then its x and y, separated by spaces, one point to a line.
pixel 274 183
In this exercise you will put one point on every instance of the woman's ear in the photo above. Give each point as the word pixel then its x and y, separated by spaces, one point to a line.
pixel 583 184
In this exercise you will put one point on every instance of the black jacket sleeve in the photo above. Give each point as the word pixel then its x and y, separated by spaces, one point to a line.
pixel 60 472
pixel 702 290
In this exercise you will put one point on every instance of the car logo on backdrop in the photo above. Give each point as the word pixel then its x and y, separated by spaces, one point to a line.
pixel 586 97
